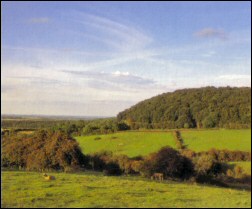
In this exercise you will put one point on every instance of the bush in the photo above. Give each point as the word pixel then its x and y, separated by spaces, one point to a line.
pixel 188 153
pixel 206 165
pixel 105 161
pixel 112 169
pixel 45 150
pixel 136 166
pixel 169 162
pixel 238 172
pixel 228 155
pixel 99 160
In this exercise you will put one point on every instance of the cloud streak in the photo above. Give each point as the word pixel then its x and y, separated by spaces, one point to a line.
pixel 115 34
pixel 115 78
pixel 211 33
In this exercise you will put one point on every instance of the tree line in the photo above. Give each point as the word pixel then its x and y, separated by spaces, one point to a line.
pixel 71 127
pixel 206 107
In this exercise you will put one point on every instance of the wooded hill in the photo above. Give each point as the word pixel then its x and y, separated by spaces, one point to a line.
pixel 207 107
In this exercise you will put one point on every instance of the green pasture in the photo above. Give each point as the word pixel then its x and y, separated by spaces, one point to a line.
pixel 144 142
pixel 218 139
pixel 129 143
pixel 90 190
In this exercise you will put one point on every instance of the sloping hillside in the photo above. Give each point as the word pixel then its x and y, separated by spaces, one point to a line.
pixel 206 107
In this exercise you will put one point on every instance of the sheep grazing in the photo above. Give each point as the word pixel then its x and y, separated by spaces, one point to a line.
pixel 49 177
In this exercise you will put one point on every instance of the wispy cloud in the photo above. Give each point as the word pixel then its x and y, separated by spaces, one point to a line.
pixel 38 20
pixel 121 36
pixel 115 78
pixel 211 33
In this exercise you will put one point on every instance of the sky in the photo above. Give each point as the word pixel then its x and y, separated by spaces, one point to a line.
pixel 99 58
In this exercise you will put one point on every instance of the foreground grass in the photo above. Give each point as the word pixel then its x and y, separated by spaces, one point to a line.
pixel 29 189
pixel 143 143
pixel 218 139
pixel 129 143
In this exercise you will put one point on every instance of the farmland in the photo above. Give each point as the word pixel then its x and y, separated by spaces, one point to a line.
pixel 218 139
pixel 143 143
pixel 29 189
pixel 129 143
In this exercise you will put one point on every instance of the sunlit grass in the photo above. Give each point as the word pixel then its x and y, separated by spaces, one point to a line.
pixel 129 143
pixel 143 143
pixel 29 189
pixel 218 139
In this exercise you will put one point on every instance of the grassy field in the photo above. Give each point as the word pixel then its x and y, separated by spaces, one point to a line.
pixel 143 143
pixel 246 166
pixel 29 189
pixel 129 143
pixel 218 139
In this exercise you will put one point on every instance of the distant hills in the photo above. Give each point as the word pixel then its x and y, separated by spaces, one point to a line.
pixel 207 107
pixel 48 117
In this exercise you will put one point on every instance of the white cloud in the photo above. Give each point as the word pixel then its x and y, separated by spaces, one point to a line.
pixel 118 73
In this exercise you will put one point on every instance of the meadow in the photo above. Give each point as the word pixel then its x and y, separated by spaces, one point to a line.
pixel 29 189
pixel 129 143
pixel 142 143
pixel 218 139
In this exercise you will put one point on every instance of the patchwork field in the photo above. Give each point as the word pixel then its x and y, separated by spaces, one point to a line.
pixel 29 189
pixel 129 143
pixel 218 139
pixel 143 143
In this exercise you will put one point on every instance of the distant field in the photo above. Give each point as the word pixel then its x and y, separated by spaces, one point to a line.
pixel 246 166
pixel 29 189
pixel 143 143
pixel 218 139
pixel 129 143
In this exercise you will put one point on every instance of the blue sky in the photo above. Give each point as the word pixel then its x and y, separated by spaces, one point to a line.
pixel 98 58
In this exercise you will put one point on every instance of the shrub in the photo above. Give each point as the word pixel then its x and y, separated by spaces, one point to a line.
pixel 238 172
pixel 188 153
pixel 124 163
pixel 228 155
pixel 99 160
pixel 169 162
pixel 45 150
pixel 112 169
pixel 229 173
pixel 206 165
pixel 136 166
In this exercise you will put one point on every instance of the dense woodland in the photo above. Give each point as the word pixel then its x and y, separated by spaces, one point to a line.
pixel 207 107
